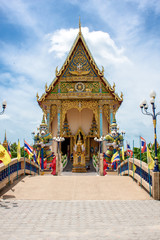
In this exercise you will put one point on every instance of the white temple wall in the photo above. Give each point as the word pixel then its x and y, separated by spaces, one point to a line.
pixel 78 119
pixel 105 131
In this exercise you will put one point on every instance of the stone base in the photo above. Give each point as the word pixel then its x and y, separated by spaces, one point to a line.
pixel 79 169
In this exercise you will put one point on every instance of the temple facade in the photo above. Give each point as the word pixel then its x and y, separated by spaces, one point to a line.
pixel 79 103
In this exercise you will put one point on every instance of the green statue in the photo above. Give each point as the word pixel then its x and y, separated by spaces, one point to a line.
pixel 114 140
pixel 43 139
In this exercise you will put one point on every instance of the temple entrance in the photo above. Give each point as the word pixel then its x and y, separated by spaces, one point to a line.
pixel 65 147
pixel 94 147
pixel 65 150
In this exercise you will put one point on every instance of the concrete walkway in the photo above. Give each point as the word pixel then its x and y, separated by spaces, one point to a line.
pixel 76 187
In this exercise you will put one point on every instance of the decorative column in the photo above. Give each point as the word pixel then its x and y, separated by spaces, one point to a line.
pixel 111 114
pixel 58 155
pixel 48 117
pixel 101 126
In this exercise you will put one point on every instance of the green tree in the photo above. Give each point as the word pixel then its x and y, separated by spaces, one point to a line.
pixel 14 151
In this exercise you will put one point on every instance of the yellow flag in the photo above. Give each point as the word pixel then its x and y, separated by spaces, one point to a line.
pixel 18 150
pixel 29 156
pixel 150 159
pixel 38 159
pixel 134 169
pixel 123 153
pixel 4 156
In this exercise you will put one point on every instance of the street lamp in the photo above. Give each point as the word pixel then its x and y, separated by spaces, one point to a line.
pixel 100 140
pixel 4 105
pixel 123 134
pixel 58 139
pixel 144 109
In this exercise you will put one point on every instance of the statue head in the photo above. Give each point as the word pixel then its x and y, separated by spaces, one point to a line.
pixel 113 128
pixel 43 127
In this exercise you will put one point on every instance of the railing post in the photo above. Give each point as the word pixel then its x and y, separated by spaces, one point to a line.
pixel 17 168
pixel 101 164
pixel 8 173
pixel 155 185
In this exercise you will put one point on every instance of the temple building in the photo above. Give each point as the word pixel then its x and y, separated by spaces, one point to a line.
pixel 79 103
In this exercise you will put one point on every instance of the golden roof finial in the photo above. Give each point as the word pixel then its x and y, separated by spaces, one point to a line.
pixel 102 70
pixel 114 86
pixel 46 87
pixel 37 96
pixel 56 71
pixel 79 25
pixel 121 96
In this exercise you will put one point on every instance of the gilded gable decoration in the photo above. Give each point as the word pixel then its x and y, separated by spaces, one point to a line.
pixel 79 64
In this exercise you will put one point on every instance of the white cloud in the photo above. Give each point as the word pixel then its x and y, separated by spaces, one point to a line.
pixel 104 47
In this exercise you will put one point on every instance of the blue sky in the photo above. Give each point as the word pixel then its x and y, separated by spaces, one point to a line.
pixel 36 36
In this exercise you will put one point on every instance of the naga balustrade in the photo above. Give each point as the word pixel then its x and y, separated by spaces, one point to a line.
pixel 15 169
pixel 139 171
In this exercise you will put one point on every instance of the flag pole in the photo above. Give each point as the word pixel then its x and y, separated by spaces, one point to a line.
pixel 17 159
pixel 149 176
pixel 24 162
pixel 30 162
pixel 120 162
pixel 133 161
pixel 140 161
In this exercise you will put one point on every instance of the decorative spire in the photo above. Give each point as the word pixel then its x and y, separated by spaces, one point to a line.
pixel 43 119
pixel 5 144
pixel 79 25
pixel 5 138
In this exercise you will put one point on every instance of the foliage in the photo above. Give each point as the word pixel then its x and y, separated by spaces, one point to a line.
pixel 144 155
pixel 14 151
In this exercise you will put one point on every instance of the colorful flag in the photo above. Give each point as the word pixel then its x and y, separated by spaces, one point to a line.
pixel 115 158
pixel 150 159
pixel 129 151
pixel 4 156
pixel 28 148
pixel 9 149
pixel 18 150
pixel 34 156
pixel 143 145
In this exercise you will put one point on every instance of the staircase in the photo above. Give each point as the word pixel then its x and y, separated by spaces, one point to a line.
pixel 69 166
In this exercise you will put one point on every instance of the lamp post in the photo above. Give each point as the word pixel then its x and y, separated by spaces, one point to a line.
pixel 123 134
pixel 100 140
pixel 4 105
pixel 144 109
pixel 58 139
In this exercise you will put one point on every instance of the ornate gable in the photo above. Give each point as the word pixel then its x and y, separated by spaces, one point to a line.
pixel 80 77
pixel 79 64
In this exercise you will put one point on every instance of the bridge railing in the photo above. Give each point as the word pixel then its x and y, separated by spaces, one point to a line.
pixel 145 177
pixel 15 169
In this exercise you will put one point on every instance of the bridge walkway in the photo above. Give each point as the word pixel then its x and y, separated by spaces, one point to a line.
pixel 86 186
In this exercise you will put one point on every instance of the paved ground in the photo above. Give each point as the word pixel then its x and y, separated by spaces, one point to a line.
pixel 77 187
pixel 78 208
pixel 79 220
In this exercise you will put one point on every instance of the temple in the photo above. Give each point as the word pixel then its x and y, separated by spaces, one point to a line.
pixel 79 104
